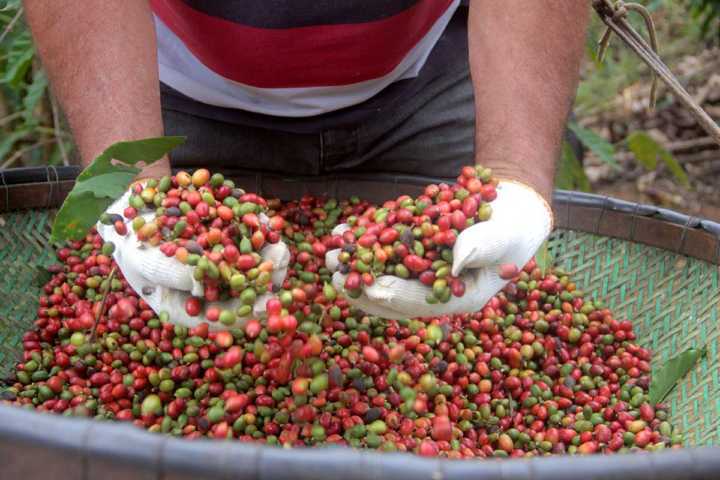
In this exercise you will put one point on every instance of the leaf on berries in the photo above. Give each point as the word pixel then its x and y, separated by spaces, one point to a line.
pixel 128 155
pixel 666 377
pixel 542 258
pixel 105 180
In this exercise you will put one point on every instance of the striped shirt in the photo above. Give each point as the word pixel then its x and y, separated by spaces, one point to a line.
pixel 270 57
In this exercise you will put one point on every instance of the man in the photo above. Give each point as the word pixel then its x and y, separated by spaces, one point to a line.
pixel 357 86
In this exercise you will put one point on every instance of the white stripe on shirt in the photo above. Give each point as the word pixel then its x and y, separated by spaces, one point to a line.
pixel 184 72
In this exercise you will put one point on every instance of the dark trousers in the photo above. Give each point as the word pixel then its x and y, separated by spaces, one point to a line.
pixel 431 135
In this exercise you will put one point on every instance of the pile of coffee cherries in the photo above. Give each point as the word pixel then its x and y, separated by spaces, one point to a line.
pixel 541 369
pixel 414 238
pixel 206 222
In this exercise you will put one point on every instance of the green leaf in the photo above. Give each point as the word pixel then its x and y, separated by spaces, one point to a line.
pixel 34 94
pixel 644 148
pixel 9 5
pixel 597 144
pixel 56 155
pixel 543 258
pixel 7 143
pixel 591 52
pixel 17 68
pixel 19 60
pixel 107 185
pixel 563 176
pixel 675 167
pixel 665 378
pixel 104 181
pixel 130 154
pixel 570 174
pixel 647 151
pixel 78 213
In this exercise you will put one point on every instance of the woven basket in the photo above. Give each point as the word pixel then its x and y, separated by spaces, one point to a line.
pixel 655 267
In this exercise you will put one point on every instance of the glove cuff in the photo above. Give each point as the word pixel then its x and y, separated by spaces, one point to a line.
pixel 540 198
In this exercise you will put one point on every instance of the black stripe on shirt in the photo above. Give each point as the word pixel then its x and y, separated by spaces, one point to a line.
pixel 288 14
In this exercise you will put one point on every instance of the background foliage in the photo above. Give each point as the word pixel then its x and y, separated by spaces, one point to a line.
pixel 31 130
pixel 621 68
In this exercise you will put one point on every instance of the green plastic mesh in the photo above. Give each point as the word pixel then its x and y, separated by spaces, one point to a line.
pixel 673 301
pixel 23 254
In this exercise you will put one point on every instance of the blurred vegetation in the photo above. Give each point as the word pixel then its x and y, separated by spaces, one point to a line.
pixel 32 131
pixel 679 36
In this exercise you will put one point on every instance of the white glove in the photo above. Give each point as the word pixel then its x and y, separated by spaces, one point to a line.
pixel 521 220
pixel 165 283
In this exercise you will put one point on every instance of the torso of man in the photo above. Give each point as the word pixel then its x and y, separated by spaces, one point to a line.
pixel 290 58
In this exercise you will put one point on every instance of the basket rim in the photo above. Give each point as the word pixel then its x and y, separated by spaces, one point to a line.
pixel 85 443
pixel 46 187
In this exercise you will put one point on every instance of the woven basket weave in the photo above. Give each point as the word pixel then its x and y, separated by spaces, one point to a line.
pixel 673 300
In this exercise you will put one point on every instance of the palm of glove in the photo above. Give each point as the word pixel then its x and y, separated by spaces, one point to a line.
pixel 165 283
pixel 520 222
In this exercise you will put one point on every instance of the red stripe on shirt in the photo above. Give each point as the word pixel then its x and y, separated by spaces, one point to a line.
pixel 314 56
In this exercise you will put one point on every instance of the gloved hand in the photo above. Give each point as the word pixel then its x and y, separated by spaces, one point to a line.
pixel 165 283
pixel 521 220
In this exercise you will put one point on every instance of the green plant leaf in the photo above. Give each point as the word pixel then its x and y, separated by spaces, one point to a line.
pixel 9 5
pixel 665 378
pixel 7 143
pixel 647 151
pixel 708 12
pixel 33 95
pixel 644 148
pixel 108 185
pixel 563 176
pixel 78 213
pixel 597 144
pixel 570 174
pixel 543 258
pixel 104 181
pixel 56 157
pixel 675 168
pixel 20 56
pixel 129 154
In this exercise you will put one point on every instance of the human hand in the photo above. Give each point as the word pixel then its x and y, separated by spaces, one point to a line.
pixel 166 284
pixel 520 222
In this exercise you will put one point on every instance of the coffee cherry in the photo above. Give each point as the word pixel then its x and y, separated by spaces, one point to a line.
pixel 419 232
pixel 541 369
pixel 193 306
